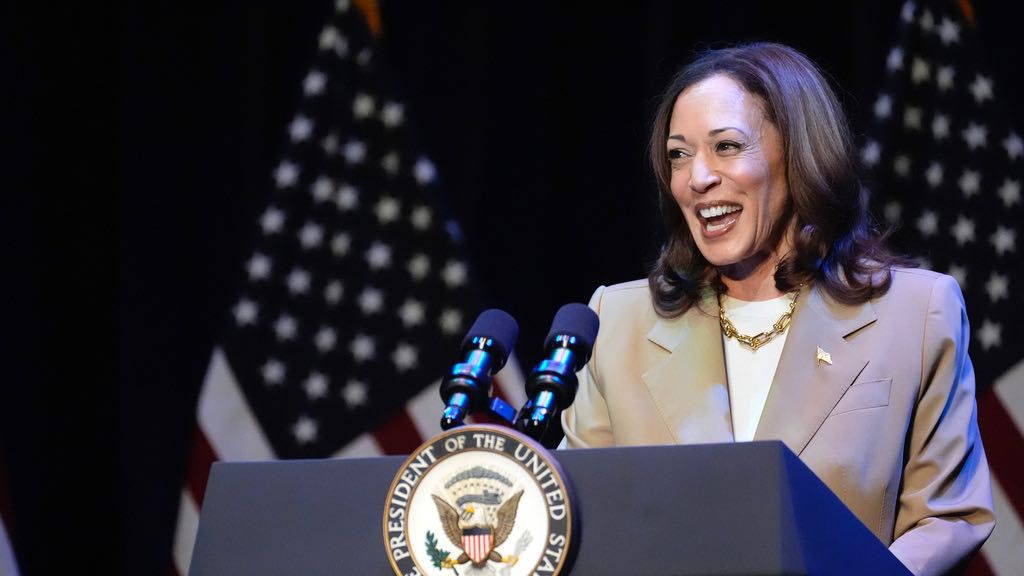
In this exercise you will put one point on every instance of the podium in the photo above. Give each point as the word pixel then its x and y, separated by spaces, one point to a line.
pixel 746 508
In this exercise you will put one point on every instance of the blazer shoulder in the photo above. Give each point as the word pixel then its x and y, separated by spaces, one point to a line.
pixel 921 283
pixel 625 303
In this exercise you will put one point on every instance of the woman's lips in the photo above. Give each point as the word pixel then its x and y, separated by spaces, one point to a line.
pixel 717 219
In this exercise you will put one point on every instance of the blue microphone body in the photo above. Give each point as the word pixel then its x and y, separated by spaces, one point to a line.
pixel 467 386
pixel 552 384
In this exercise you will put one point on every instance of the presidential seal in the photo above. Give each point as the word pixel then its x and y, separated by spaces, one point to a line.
pixel 479 500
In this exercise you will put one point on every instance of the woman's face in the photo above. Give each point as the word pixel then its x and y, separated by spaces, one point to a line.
pixel 728 173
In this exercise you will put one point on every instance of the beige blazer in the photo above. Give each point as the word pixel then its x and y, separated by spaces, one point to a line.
pixel 890 425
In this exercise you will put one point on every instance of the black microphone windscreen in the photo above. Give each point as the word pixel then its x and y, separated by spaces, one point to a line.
pixel 500 327
pixel 575 320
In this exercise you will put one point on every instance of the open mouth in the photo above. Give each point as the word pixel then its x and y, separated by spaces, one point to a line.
pixel 718 217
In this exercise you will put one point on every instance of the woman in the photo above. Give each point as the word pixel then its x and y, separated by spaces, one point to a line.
pixel 776 312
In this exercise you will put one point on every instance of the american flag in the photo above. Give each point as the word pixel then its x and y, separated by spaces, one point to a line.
pixel 946 168
pixel 356 293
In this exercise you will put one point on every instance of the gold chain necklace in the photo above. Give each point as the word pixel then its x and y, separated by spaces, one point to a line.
pixel 757 340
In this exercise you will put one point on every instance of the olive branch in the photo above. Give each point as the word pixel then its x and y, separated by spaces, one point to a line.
pixel 437 555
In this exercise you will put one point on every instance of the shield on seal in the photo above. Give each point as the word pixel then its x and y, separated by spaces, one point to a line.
pixel 477 543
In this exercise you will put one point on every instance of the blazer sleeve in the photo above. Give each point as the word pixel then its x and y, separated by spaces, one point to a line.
pixel 944 513
pixel 586 423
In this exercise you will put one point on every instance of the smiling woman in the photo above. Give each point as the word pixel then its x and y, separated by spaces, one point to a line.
pixel 775 312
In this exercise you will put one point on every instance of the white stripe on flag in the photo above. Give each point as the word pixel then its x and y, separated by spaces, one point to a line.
pixel 224 416
pixel 362 447
pixel 1003 549
pixel 185 533
pixel 512 382
pixel 425 410
pixel 1009 388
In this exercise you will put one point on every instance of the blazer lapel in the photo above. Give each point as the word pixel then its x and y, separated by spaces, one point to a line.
pixel 805 389
pixel 689 387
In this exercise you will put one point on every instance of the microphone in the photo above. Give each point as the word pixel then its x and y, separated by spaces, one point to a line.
pixel 467 386
pixel 552 384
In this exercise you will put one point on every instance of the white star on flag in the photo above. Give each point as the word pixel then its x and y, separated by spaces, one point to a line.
pixel 975 135
pixel 912 118
pixel 363 106
pixel 949 32
pixel 895 59
pixel 286 174
pixel 388 210
pixel 315 386
pixel 311 235
pixel 1014 146
pixel 325 339
pixel 305 430
pixel 258 267
pixel 424 172
pixel 411 313
pixel 285 327
pixel 322 189
pixel 963 230
pixel 371 301
pixel 354 393
pixel 298 281
pixel 1009 192
pixel 404 357
pixel 363 348
pixel 340 244
pixel 454 274
pixel 300 128
pixel 940 126
pixel 1004 240
pixel 392 114
pixel 981 88
pixel 245 312
pixel 272 220
pixel 333 292
pixel 419 266
pixel 990 335
pixel 273 372
pixel 378 256
pixel 944 78
pixel 354 152
pixel 348 198
pixel 450 321
pixel 920 71
pixel 928 223
pixel 970 182
pixel 934 175
pixel 997 287
pixel 883 106
pixel 421 217
pixel 313 84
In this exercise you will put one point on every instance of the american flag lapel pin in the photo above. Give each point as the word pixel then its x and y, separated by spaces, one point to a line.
pixel 823 356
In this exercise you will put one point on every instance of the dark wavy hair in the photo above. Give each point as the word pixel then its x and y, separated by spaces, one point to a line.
pixel 836 242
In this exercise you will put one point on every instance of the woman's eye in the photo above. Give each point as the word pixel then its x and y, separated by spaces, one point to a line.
pixel 727 146
pixel 677 154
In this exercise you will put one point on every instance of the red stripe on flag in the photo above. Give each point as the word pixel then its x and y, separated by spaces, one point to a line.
pixel 1004 446
pixel 398 435
pixel 202 459
pixel 979 567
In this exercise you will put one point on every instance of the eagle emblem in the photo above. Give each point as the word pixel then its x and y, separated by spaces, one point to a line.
pixel 477 517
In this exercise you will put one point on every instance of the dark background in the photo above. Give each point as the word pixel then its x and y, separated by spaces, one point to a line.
pixel 138 142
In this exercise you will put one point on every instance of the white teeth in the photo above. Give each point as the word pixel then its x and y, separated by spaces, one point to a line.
pixel 718 211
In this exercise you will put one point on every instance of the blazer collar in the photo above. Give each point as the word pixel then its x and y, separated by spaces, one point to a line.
pixel 805 389
pixel 803 392
pixel 689 386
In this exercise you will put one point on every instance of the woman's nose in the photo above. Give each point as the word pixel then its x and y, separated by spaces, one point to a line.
pixel 703 175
